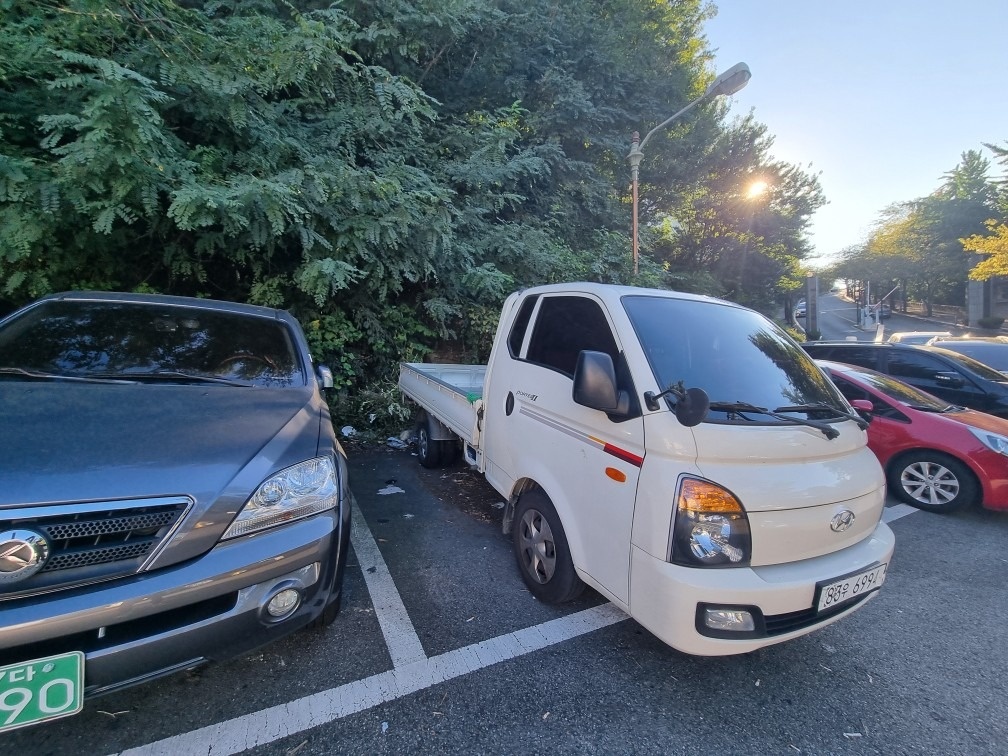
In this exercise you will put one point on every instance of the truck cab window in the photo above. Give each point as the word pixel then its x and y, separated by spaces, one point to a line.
pixel 564 327
pixel 517 336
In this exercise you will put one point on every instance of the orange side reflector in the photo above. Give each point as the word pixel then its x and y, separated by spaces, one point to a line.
pixel 618 475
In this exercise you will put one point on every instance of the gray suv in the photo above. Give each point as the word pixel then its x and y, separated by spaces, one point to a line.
pixel 173 493
pixel 951 376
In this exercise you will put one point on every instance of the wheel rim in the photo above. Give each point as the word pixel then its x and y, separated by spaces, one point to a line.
pixel 423 443
pixel 537 547
pixel 930 483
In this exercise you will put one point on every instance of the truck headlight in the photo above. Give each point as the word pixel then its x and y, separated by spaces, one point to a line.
pixel 300 491
pixel 710 528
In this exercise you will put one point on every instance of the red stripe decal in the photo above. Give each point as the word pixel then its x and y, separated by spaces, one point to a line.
pixel 626 456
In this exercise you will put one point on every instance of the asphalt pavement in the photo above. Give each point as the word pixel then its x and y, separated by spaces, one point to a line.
pixel 440 649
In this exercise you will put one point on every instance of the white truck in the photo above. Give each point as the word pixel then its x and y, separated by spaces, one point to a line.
pixel 680 454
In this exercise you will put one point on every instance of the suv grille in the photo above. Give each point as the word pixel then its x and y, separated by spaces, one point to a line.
pixel 92 542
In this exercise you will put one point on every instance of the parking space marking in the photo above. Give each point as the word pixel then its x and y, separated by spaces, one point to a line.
pixel 896 511
pixel 400 636
pixel 271 724
pixel 412 670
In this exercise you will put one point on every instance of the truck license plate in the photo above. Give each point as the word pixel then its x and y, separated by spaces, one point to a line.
pixel 849 587
pixel 42 689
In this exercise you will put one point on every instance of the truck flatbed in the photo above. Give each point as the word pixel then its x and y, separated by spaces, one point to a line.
pixel 453 394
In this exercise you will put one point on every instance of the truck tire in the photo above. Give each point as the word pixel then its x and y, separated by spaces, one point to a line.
pixel 429 452
pixel 540 547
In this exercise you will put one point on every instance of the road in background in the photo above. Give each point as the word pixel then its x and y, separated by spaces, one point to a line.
pixel 838 321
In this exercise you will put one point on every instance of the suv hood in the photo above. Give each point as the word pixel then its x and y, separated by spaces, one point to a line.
pixel 65 442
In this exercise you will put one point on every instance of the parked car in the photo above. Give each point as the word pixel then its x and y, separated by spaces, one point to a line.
pixel 915 337
pixel 173 492
pixel 990 350
pixel 937 456
pixel 951 376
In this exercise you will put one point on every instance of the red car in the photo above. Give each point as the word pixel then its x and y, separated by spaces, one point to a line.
pixel 936 456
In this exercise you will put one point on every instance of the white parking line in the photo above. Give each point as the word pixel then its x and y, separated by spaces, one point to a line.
pixel 895 512
pixel 265 726
pixel 412 669
pixel 400 636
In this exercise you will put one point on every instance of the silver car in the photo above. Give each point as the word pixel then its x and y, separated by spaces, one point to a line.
pixel 172 492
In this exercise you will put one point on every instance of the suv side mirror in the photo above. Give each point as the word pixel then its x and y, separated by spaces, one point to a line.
pixel 595 384
pixel 324 376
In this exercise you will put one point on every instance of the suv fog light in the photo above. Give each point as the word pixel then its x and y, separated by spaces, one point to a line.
pixel 283 603
pixel 731 620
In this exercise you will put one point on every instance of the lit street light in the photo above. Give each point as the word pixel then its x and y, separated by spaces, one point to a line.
pixel 728 83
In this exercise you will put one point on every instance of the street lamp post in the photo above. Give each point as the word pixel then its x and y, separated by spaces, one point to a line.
pixel 728 83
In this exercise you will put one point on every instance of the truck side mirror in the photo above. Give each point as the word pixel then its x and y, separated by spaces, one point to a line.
pixel 595 384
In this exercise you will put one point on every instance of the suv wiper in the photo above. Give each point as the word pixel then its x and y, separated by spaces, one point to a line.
pixel 41 375
pixel 178 375
pixel 820 407
pixel 742 407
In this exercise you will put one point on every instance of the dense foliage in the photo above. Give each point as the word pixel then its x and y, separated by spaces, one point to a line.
pixel 387 170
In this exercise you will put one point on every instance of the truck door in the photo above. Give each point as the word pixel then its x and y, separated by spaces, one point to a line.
pixel 587 463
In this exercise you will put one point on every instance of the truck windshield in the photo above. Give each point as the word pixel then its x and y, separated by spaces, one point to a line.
pixel 734 354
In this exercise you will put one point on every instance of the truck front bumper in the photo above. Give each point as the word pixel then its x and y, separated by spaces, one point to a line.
pixel 669 599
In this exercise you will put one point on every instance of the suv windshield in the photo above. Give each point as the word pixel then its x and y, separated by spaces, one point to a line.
pixel 734 354
pixel 72 339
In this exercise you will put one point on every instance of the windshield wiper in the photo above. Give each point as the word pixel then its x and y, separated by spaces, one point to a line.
pixel 175 376
pixel 40 375
pixel 950 408
pixel 742 407
pixel 820 407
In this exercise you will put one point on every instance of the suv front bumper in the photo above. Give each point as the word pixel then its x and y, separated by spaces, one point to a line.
pixel 208 609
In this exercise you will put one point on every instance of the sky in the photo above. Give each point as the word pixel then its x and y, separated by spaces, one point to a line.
pixel 879 98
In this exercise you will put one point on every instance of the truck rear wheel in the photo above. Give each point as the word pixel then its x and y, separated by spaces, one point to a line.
pixel 434 452
pixel 429 451
pixel 540 546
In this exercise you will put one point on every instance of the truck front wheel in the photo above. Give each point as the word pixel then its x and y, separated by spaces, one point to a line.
pixel 541 549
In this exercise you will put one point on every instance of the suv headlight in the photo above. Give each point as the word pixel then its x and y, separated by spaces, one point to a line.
pixel 710 528
pixel 994 441
pixel 300 491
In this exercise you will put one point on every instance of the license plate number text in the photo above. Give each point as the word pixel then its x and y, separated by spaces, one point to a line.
pixel 850 587
pixel 42 689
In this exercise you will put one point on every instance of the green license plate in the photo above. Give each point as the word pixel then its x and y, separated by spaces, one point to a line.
pixel 42 689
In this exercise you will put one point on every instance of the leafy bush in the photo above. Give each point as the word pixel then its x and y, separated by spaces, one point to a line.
pixel 991 322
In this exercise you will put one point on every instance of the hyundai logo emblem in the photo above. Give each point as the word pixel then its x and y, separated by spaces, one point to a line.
pixel 22 554
pixel 842 521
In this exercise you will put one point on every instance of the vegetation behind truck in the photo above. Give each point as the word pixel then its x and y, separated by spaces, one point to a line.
pixel 679 454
